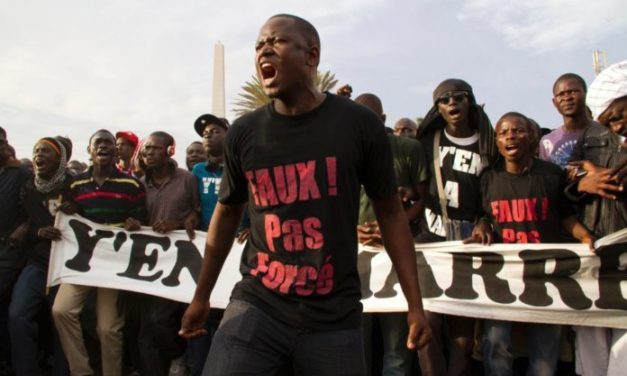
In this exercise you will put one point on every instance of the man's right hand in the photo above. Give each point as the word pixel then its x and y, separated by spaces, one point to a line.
pixel 419 330
pixel 16 239
pixel 193 321
pixel 599 181
pixel 49 232
pixel 481 233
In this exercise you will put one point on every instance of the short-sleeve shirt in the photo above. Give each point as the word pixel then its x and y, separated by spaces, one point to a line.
pixel 558 145
pixel 301 176
pixel 410 169
pixel 526 208
pixel 174 199
pixel 208 180
pixel 119 197
pixel 460 165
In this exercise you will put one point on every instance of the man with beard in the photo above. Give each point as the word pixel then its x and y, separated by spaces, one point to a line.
pixel 458 139
pixel 12 177
pixel 299 163
pixel 104 195
pixel 569 98
pixel 172 204
pixel 40 198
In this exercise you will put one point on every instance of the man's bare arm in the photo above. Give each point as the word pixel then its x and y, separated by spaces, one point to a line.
pixel 220 236
pixel 400 247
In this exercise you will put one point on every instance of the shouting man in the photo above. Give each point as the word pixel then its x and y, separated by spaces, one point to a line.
pixel 299 162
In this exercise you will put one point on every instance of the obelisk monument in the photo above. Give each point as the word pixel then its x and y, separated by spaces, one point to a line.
pixel 217 99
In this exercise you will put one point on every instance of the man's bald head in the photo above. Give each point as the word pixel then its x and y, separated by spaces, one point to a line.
pixel 308 30
pixel 405 127
pixel 372 102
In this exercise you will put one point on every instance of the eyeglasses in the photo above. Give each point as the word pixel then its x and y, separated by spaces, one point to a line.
pixel 457 97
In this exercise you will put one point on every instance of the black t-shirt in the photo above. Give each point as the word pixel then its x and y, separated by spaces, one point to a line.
pixel 527 208
pixel 460 164
pixel 41 209
pixel 301 176
pixel 11 180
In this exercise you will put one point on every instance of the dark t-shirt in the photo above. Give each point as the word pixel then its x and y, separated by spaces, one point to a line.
pixel 11 180
pixel 41 209
pixel 119 197
pixel 460 163
pixel 410 169
pixel 527 208
pixel 301 176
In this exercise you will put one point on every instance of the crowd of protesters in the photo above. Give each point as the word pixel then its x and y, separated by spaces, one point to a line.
pixel 449 169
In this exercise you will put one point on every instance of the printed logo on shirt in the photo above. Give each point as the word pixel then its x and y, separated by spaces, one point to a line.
pixel 284 185
pixel 561 156
pixel 548 146
pixel 463 160
pixel 207 181
pixel 434 223
pixel 519 211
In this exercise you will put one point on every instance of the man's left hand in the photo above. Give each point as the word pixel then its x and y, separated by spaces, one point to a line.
pixel 419 330
pixel 191 224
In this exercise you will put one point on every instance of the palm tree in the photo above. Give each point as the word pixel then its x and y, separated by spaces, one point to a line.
pixel 325 81
pixel 253 97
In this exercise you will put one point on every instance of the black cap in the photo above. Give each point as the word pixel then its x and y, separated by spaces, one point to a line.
pixel 206 119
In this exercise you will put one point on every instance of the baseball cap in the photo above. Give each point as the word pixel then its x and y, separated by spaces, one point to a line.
pixel 206 119
pixel 128 136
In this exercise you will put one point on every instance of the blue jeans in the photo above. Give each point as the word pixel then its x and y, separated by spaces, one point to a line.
pixel 543 344
pixel 198 348
pixel 250 342
pixel 397 359
pixel 29 300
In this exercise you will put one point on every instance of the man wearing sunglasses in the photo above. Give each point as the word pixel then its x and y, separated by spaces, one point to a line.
pixel 458 135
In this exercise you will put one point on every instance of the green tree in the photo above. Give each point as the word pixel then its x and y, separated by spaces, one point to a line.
pixel 253 97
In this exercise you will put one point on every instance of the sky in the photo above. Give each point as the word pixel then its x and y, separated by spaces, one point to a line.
pixel 71 67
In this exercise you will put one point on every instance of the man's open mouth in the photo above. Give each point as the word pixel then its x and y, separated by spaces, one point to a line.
pixel 268 71
pixel 511 148
pixel 454 112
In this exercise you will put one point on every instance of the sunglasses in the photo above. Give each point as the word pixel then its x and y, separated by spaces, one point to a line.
pixel 457 97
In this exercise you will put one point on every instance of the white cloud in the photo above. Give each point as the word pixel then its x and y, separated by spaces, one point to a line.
pixel 540 25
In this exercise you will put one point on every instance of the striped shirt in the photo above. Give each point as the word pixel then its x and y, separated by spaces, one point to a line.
pixel 118 198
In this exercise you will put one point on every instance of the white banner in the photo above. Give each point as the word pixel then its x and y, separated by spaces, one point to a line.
pixel 552 283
